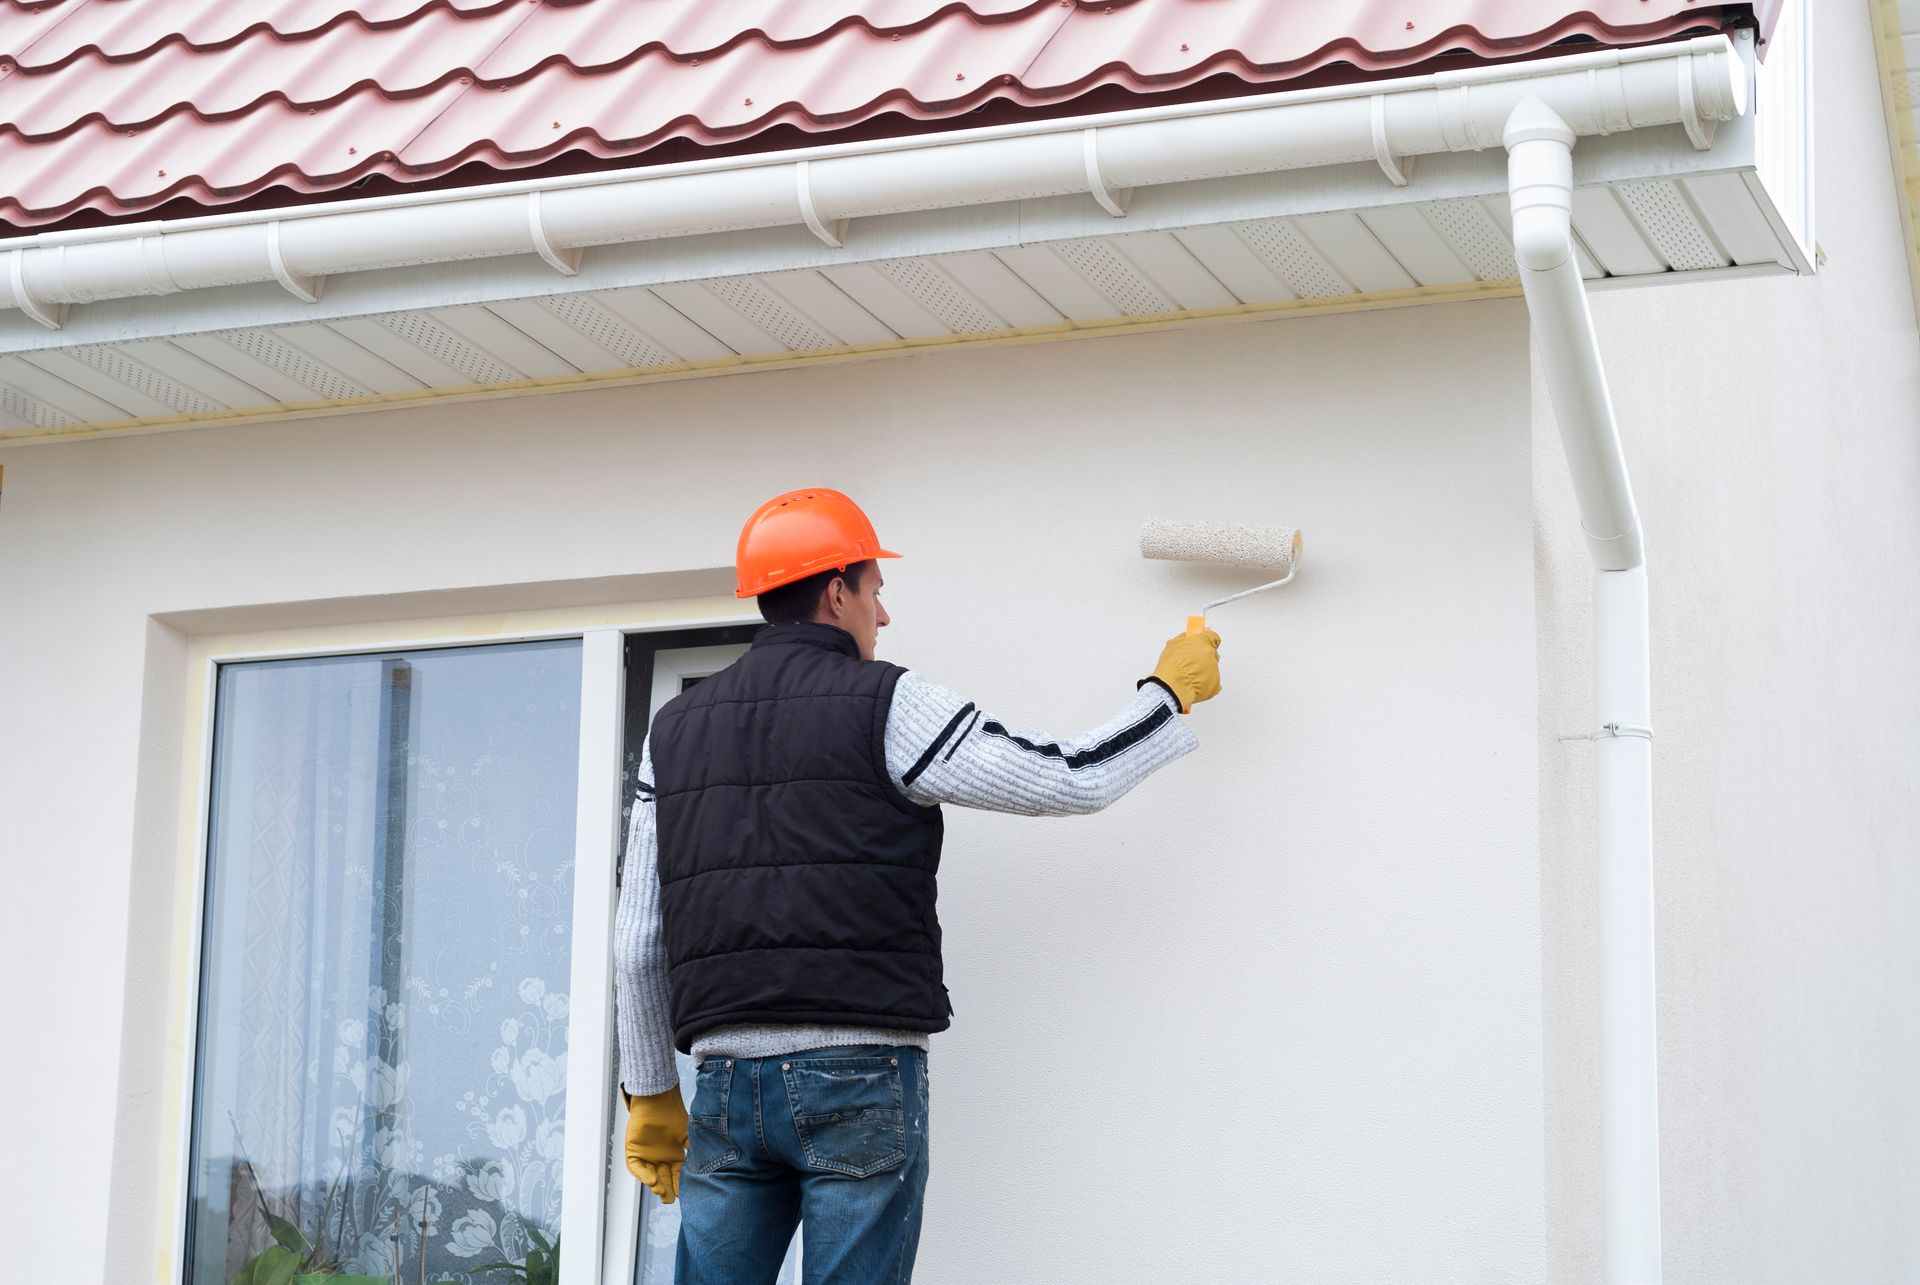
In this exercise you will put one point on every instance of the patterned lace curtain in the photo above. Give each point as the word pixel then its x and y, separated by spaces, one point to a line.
pixel 382 1058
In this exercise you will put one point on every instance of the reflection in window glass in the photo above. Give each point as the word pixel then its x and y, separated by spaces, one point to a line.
pixel 381 1068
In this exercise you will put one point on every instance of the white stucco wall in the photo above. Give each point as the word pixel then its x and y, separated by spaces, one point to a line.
pixel 1279 1015
pixel 1773 433
pixel 1275 1016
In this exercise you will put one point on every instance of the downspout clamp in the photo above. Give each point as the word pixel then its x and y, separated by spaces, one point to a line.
pixel 1540 180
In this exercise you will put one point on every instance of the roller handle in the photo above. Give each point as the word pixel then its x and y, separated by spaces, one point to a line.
pixel 1196 623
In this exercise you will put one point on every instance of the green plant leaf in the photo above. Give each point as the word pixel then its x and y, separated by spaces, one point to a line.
pixel 333 1278
pixel 275 1266
pixel 286 1233
pixel 539 1240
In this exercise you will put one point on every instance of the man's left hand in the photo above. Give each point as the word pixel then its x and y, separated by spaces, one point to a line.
pixel 657 1140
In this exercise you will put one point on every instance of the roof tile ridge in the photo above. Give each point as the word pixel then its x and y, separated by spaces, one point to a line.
pixel 186 106
pixel 251 30
pixel 193 188
pixel 845 22
pixel 261 181
pixel 937 14
pixel 1020 75
pixel 13 59
pixel 1588 22
pixel 394 153
pixel 1516 48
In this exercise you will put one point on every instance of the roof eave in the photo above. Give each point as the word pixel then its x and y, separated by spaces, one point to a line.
pixel 1286 161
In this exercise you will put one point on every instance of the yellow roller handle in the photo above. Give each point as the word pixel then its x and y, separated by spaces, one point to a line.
pixel 1196 623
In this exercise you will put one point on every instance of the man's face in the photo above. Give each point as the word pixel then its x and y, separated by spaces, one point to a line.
pixel 860 612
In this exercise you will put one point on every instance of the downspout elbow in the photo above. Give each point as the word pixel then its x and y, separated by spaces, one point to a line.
pixel 1540 184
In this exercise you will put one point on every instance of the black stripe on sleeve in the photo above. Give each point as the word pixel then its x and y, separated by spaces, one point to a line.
pixel 1120 742
pixel 645 788
pixel 920 764
pixel 963 736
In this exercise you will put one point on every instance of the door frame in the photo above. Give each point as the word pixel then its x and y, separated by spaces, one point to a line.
pixel 622 1222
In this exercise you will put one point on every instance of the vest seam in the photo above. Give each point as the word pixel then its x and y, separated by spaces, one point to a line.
pixel 744 950
pixel 686 1035
pixel 753 785
pixel 776 865
pixel 768 700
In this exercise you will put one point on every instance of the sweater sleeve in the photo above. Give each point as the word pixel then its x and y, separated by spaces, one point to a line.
pixel 640 955
pixel 943 749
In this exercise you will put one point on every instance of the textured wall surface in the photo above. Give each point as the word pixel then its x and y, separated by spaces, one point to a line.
pixel 1275 1016
pixel 1773 433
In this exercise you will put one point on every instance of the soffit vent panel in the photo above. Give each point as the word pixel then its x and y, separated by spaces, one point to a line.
pixel 1641 231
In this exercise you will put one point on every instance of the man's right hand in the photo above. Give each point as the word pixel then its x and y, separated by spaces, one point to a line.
pixel 657 1140
pixel 1190 667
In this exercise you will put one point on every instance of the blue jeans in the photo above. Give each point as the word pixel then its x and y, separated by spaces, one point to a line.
pixel 836 1137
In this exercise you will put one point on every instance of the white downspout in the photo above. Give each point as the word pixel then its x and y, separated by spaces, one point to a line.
pixel 1540 177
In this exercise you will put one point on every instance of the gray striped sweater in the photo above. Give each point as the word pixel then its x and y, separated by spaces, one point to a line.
pixel 940 749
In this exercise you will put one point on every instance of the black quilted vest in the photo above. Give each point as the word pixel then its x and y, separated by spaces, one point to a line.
pixel 797 883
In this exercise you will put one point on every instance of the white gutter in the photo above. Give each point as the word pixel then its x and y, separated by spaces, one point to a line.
pixel 1693 83
pixel 1540 182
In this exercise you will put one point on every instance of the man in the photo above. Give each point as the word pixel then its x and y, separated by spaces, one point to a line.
pixel 777 917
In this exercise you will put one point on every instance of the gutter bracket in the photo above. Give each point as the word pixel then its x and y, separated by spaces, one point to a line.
pixel 834 233
pixel 52 318
pixel 565 262
pixel 305 289
pixel 1622 729
pixel 1399 170
pixel 1114 200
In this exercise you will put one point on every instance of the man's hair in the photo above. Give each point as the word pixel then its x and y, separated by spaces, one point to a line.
pixel 796 601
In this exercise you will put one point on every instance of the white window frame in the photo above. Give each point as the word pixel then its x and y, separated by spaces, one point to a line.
pixel 586 1162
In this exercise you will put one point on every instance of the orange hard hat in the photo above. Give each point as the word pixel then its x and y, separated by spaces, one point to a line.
pixel 800 534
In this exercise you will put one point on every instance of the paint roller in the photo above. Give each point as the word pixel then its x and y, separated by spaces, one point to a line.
pixel 1260 547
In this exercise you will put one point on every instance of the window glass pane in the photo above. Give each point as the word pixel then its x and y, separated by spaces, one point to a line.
pixel 383 1015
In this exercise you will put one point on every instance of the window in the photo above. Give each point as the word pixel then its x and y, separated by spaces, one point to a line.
pixel 404 991
pixel 381 1070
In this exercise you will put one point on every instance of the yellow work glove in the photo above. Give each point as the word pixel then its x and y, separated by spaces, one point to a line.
pixel 1190 667
pixel 657 1140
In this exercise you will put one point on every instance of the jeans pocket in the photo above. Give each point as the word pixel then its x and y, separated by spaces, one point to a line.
pixel 709 1145
pixel 848 1113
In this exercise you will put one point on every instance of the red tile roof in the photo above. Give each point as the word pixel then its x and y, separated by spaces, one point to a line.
pixel 113 110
